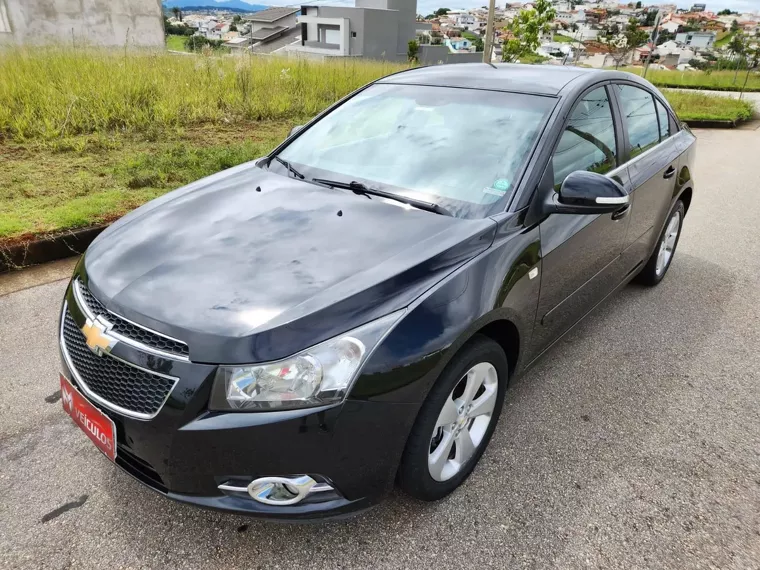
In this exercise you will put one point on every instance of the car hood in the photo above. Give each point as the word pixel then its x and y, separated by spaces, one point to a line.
pixel 250 266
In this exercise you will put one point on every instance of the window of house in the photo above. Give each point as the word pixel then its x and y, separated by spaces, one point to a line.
pixel 662 117
pixel 641 117
pixel 588 142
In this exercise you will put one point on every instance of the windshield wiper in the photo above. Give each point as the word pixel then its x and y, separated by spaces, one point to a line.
pixel 359 188
pixel 287 165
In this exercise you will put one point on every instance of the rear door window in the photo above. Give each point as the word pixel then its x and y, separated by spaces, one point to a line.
pixel 640 115
pixel 662 117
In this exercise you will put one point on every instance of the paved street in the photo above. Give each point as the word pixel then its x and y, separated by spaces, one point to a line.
pixel 634 444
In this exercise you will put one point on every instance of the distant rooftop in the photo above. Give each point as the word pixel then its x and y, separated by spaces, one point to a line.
pixel 271 14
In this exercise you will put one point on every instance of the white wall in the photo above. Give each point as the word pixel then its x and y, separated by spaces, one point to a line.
pixel 97 22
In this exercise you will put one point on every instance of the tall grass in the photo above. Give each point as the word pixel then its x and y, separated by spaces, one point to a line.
pixel 52 92
pixel 696 106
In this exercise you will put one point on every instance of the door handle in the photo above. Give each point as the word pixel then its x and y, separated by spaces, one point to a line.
pixel 669 172
pixel 622 212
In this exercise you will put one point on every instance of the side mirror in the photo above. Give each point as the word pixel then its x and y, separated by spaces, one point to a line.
pixel 294 130
pixel 585 192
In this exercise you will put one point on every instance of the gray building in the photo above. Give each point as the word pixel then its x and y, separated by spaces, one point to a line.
pixel 271 23
pixel 96 22
pixel 696 39
pixel 375 29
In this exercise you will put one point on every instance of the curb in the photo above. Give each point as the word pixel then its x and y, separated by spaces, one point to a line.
pixel 47 249
pixel 714 124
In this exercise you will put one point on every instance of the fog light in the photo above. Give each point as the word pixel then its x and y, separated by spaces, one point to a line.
pixel 279 491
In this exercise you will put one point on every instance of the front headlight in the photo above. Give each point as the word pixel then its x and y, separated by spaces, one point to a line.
pixel 319 375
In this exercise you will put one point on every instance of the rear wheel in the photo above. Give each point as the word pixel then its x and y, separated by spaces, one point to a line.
pixel 659 262
pixel 456 421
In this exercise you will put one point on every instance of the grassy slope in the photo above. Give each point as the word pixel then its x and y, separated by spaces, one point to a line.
pixel 716 80
pixel 87 136
pixel 724 38
pixel 87 179
pixel 563 39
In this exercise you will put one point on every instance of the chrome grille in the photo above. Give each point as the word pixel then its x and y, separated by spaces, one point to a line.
pixel 130 330
pixel 111 382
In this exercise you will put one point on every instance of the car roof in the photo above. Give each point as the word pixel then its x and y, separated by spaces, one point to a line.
pixel 536 79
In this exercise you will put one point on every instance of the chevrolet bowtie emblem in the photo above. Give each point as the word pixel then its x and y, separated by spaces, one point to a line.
pixel 97 337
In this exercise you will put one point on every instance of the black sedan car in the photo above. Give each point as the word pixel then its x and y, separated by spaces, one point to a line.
pixel 291 336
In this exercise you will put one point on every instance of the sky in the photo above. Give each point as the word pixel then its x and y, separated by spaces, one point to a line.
pixel 427 6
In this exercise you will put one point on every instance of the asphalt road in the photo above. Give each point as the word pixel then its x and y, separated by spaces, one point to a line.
pixel 634 444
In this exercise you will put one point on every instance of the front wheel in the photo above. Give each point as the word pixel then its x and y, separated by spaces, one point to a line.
pixel 456 421
pixel 662 256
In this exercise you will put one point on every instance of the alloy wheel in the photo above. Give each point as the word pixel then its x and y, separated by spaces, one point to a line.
pixel 668 244
pixel 463 421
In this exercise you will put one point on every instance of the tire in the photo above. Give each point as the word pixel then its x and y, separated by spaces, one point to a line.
pixel 653 271
pixel 482 358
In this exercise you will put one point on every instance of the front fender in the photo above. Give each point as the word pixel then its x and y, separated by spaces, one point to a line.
pixel 493 286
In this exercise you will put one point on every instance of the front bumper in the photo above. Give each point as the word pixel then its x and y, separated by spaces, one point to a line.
pixel 186 451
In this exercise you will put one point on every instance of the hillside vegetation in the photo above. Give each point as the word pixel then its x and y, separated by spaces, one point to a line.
pixel 57 92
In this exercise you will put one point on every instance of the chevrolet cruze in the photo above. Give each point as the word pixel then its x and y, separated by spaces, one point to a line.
pixel 290 337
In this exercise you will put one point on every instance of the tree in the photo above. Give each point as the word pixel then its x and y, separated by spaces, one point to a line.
pixel 734 26
pixel 752 55
pixel 737 46
pixel 412 50
pixel 527 28
pixel 233 27
pixel 198 43
pixel 478 44
pixel 638 4
pixel 726 12
pixel 177 13
pixel 665 36
pixel 442 11
pixel 620 45
pixel 237 18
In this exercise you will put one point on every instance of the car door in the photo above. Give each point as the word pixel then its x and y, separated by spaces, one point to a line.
pixel 580 252
pixel 651 155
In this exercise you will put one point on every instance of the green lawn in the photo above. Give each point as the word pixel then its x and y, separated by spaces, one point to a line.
pixel 175 43
pixel 696 106
pixel 469 35
pixel 715 80
pixel 562 39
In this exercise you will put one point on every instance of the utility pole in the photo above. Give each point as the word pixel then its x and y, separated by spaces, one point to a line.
pixel 653 43
pixel 488 44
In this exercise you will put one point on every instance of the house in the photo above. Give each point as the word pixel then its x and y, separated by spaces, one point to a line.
pixel 238 44
pixel 670 50
pixel 702 40
pixel 376 29
pixel 459 44
pixel 271 23
pixel 465 21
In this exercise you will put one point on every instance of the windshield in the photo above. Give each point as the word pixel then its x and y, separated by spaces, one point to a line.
pixel 460 148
